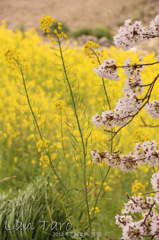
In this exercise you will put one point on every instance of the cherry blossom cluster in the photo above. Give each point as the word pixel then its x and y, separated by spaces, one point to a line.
pixel 126 108
pixel 155 186
pixel 148 226
pixel 133 70
pixel 154 26
pixel 153 109
pixel 130 104
pixel 127 105
pixel 132 33
pixel 108 70
pixel 122 113
pixel 144 153
pixel 129 34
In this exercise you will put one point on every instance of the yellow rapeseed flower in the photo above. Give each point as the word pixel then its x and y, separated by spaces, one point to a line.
pixel 53 42
pixel 15 159
pixel 60 107
pixel 89 46
pixel 53 156
pixel 44 161
pixel 96 210
pixel 108 189
pixel 46 22
pixel 140 136
pixel 137 188
pixel 33 162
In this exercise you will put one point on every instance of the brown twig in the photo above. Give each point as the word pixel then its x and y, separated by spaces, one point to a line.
pixel 149 213
pixel 148 95
pixel 136 65
pixel 146 125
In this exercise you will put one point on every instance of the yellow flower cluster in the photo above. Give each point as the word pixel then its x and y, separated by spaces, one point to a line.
pixel 91 51
pixel 53 156
pixel 140 136
pixel 9 57
pixel 108 189
pixel 59 34
pixel 89 47
pixel 138 188
pixel 12 57
pixel 60 107
pixel 44 160
pixel 43 148
pixel 46 22
pixel 43 143
pixel 96 210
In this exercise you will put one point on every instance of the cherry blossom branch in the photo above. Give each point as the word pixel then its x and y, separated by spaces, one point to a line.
pixel 146 125
pixel 135 66
pixel 148 95
pixel 149 214
pixel 150 192
pixel 145 35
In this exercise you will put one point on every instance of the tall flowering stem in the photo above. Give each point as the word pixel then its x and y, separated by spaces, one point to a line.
pixel 41 137
pixel 111 145
pixel 103 82
pixel 63 147
pixel 79 128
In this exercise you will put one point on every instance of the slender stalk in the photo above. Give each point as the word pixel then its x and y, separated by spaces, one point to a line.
pixel 79 128
pixel 63 147
pixel 107 99
pixel 40 134
pixel 105 90
pixel 146 125
pixel 97 198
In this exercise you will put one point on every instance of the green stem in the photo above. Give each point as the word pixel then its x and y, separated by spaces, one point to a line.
pixel 105 90
pixel 38 128
pixel 107 99
pixel 79 128
pixel 97 198
pixel 63 147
